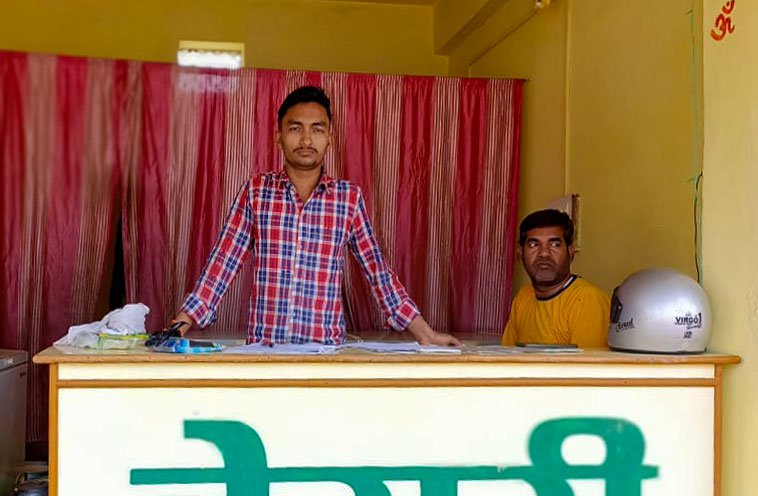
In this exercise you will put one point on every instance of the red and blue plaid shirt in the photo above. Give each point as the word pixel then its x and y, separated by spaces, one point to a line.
pixel 298 258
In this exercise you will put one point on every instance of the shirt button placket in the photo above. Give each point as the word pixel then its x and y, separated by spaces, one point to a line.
pixel 294 278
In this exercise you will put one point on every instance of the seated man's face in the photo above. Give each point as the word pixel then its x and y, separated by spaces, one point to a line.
pixel 546 257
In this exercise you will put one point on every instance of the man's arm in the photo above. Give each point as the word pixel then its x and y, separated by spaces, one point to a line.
pixel 184 318
pixel 402 312
pixel 232 247
pixel 509 335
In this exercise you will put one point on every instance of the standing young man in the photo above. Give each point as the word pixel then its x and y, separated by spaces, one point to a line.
pixel 297 224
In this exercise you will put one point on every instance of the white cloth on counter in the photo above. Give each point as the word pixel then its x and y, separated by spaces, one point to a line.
pixel 123 321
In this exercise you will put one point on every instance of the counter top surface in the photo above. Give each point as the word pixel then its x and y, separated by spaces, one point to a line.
pixel 54 355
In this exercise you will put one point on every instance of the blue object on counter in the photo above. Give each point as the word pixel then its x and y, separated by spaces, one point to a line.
pixel 184 345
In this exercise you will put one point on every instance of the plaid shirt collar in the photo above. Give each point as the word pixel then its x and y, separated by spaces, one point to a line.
pixel 325 183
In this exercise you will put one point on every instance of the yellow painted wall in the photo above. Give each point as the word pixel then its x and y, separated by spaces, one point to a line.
pixel 454 20
pixel 730 229
pixel 282 34
pixel 630 135
pixel 608 114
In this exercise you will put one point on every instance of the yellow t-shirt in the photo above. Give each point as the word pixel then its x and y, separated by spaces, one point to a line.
pixel 578 314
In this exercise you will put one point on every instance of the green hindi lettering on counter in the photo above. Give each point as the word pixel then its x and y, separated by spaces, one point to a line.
pixel 246 472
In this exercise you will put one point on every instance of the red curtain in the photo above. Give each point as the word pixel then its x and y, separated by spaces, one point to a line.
pixel 84 141
pixel 59 154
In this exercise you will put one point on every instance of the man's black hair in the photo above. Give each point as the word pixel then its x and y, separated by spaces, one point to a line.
pixel 547 218
pixel 305 94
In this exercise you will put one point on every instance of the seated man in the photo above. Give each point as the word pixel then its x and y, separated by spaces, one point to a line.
pixel 559 307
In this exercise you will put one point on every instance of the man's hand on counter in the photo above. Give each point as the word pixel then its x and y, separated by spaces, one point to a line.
pixel 185 320
pixel 426 335
pixel 178 327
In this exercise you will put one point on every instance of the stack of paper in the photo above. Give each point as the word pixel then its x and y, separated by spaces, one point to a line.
pixel 390 347
pixel 282 349
pixel 399 347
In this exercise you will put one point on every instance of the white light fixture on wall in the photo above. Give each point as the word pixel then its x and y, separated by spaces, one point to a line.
pixel 219 55
pixel 541 4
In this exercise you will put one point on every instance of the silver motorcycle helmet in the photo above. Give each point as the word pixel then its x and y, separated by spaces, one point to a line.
pixel 659 311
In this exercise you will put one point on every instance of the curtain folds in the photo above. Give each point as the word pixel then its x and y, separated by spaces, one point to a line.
pixel 86 143
pixel 59 121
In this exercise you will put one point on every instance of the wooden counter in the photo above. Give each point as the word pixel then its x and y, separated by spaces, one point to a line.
pixel 595 422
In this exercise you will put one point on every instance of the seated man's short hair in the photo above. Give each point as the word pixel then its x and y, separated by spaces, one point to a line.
pixel 547 218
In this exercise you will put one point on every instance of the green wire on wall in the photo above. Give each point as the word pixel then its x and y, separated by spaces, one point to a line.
pixel 697 167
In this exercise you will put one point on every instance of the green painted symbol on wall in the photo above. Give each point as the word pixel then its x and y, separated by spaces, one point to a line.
pixel 246 473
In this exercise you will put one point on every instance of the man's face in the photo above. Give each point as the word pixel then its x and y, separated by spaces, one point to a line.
pixel 304 136
pixel 546 257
